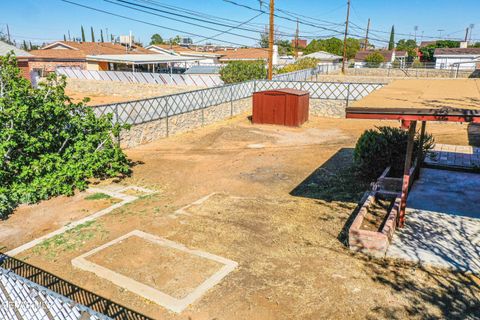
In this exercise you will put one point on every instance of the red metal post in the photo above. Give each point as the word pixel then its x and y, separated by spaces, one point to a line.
pixel 406 172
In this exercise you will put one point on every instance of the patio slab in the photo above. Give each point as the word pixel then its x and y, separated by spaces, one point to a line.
pixel 447 155
pixel 443 222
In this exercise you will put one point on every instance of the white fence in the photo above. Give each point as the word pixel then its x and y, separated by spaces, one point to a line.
pixel 143 77
pixel 202 80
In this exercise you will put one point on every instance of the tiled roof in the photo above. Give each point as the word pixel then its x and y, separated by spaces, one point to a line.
pixel 79 50
pixel 457 51
pixel 361 55
pixel 6 48
pixel 243 54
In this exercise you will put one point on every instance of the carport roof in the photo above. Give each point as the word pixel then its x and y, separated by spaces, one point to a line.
pixel 139 58
pixel 424 100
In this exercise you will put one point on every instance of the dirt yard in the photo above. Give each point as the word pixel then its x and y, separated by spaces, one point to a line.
pixel 282 198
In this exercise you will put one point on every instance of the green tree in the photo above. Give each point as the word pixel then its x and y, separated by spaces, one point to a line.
pixel 83 34
pixel 391 43
pixel 333 46
pixel 174 41
pixel 49 145
pixel 409 46
pixel 101 36
pixel 374 60
pixel 301 64
pixel 92 34
pixel 64 37
pixel 24 46
pixel 156 39
pixel 285 47
pixel 428 51
pixel 240 71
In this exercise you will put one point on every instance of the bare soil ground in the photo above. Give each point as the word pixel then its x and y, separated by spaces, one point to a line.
pixel 32 221
pixel 284 198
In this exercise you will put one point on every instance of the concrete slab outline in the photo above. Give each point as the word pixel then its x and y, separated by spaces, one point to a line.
pixel 183 210
pixel 112 193
pixel 147 292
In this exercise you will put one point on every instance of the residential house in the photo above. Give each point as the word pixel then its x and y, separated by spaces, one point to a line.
pixel 457 58
pixel 323 57
pixel 389 56
pixel 216 55
pixel 205 57
pixel 23 57
pixel 74 54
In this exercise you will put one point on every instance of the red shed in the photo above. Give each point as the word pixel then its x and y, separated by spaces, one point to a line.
pixel 288 107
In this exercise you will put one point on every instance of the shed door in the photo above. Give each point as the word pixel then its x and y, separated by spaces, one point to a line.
pixel 277 108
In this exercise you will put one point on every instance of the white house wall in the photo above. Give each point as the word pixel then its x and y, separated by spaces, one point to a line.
pixel 443 62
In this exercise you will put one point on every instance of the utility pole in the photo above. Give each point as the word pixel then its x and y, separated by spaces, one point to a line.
pixel 466 34
pixel 296 41
pixel 345 38
pixel 69 38
pixel 270 40
pixel 8 34
pixel 366 36
pixel 415 29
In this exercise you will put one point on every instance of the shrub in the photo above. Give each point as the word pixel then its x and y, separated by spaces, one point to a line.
pixel 306 63
pixel 49 145
pixel 240 71
pixel 374 60
pixel 381 147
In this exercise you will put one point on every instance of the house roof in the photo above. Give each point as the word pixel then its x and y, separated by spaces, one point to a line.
pixel 243 54
pixel 179 50
pixel 361 55
pixel 457 52
pixel 322 55
pixel 79 50
pixel 6 48
pixel 139 58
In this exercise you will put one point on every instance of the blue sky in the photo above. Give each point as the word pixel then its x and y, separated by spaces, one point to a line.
pixel 47 20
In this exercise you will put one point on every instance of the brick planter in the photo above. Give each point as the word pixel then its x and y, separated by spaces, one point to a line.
pixel 373 242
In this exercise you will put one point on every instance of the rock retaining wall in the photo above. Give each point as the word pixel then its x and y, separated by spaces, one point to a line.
pixel 161 128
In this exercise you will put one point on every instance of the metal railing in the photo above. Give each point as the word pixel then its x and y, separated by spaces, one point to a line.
pixel 164 107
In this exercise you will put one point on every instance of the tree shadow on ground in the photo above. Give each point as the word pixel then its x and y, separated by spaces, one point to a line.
pixel 473 131
pixel 334 180
pixel 69 290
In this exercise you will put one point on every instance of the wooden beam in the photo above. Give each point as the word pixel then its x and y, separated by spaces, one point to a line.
pixel 406 172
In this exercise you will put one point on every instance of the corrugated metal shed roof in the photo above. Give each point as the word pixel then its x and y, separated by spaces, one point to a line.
pixel 204 70
pixel 6 48
pixel 22 299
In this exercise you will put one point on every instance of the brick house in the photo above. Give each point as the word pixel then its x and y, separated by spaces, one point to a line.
pixel 23 57
pixel 74 54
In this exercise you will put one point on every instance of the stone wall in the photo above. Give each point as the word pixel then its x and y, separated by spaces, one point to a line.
pixel 328 108
pixel 153 130
pixel 124 89
pixel 407 73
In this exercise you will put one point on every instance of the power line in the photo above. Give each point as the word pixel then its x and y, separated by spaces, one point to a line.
pixel 148 23
pixel 179 20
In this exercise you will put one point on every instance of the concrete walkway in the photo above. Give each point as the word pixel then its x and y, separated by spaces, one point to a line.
pixel 443 222
pixel 446 155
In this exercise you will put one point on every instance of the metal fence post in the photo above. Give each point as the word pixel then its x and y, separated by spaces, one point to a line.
pixel 203 107
pixel 117 121
pixel 231 101
pixel 167 110
pixel 348 93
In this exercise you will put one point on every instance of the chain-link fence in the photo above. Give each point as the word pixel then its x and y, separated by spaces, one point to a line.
pixel 145 110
